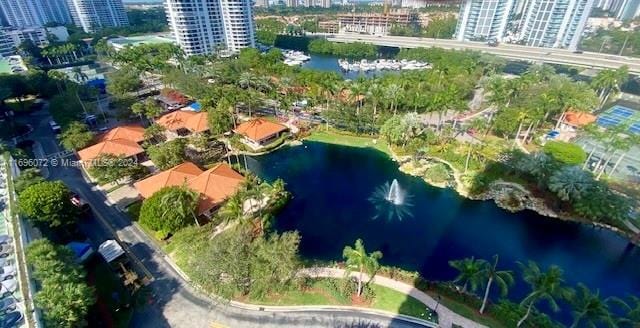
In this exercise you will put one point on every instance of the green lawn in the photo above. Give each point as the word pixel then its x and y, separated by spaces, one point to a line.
pixel 349 140
pixel 319 293
pixel 468 312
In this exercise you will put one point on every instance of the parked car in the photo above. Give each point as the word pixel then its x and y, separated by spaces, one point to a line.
pixel 55 128
pixel 7 272
pixel 8 286
pixel 493 43
pixel 5 239
pixel 7 304
pixel 11 319
pixel 5 250
pixel 80 203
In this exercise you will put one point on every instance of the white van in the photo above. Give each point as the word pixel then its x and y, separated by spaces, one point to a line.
pixel 55 127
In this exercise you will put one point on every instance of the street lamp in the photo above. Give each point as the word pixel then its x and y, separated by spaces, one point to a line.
pixel 438 299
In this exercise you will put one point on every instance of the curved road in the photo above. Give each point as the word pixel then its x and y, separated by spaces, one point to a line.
pixel 175 303
pixel 510 51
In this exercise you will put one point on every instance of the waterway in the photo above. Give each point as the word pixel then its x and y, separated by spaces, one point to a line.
pixel 338 196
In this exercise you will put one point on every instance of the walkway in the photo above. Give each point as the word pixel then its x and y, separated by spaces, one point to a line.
pixel 446 317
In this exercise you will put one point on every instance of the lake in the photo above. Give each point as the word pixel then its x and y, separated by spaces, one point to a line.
pixel 336 199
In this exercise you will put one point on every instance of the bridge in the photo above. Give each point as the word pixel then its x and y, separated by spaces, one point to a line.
pixel 509 51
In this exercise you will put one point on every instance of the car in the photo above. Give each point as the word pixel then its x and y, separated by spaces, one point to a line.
pixel 493 43
pixel 8 286
pixel 55 127
pixel 5 239
pixel 7 272
pixel 11 319
pixel 577 51
pixel 7 304
pixel 80 203
pixel 5 250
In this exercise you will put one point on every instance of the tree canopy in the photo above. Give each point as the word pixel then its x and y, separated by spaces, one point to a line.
pixel 168 154
pixel 76 136
pixel 48 203
pixel 169 209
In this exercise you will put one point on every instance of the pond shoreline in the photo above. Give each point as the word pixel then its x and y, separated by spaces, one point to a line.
pixel 509 196
pixel 501 192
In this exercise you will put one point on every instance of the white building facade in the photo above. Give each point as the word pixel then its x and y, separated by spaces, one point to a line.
pixel 628 10
pixel 484 19
pixel 11 37
pixel 23 13
pixel 205 26
pixel 93 15
pixel 554 23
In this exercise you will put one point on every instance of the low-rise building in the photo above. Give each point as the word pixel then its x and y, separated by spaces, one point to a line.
pixel 376 24
pixel 214 185
pixel 119 141
pixel 183 123
pixel 331 26
pixel 258 133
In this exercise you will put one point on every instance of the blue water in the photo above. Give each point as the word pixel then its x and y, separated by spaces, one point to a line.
pixel 331 207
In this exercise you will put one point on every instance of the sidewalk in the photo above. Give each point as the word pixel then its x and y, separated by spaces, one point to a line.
pixel 446 317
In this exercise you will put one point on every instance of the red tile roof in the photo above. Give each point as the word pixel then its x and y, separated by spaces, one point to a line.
pixel 175 176
pixel 117 147
pixel 578 118
pixel 259 129
pixel 129 132
pixel 215 185
pixel 183 119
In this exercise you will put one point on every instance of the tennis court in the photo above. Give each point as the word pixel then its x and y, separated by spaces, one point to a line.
pixel 619 114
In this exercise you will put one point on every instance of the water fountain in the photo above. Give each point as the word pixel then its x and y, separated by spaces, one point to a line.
pixel 391 201
pixel 395 194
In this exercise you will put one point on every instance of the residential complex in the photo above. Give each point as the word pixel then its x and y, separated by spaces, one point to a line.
pixel 376 24
pixel 538 23
pixel 554 23
pixel 93 15
pixel 203 26
pixel 627 10
pixel 28 13
pixel 11 37
pixel 484 19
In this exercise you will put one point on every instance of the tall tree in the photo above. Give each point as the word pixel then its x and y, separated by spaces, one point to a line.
pixel 357 259
pixel 609 81
pixel 76 136
pixel 49 203
pixel 589 310
pixel 469 272
pixel 545 286
pixel 570 183
pixel 502 278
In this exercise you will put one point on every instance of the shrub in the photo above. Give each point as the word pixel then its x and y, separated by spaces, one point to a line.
pixel 565 152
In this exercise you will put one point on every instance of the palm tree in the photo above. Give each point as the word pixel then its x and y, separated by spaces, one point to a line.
pixel 545 286
pixel 233 209
pixel 631 309
pixel 589 309
pixel 183 200
pixel 570 183
pixel 539 165
pixel 503 278
pixel 608 81
pixel 469 272
pixel 358 259
pixel 393 92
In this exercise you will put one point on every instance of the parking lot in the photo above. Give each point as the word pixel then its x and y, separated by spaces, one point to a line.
pixel 11 301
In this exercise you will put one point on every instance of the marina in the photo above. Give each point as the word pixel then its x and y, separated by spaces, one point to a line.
pixel 295 58
pixel 382 64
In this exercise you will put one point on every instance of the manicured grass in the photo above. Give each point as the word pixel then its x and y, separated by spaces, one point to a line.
pixel 393 301
pixel 349 140
pixel 320 293
pixel 468 312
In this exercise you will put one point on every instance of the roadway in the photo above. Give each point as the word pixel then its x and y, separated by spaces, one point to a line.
pixel 509 51
pixel 174 302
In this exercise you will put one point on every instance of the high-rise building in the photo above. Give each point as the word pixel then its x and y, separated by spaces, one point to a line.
pixel 204 26
pixel 29 13
pixel 262 3
pixel 554 23
pixel 483 19
pixel 629 9
pixel 93 15
pixel 291 3
pixel 12 37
